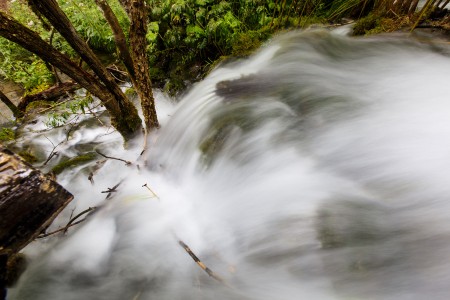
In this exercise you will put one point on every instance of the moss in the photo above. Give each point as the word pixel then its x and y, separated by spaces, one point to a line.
pixel 38 104
pixel 130 92
pixel 7 134
pixel 245 43
pixel 366 24
pixel 373 24
pixel 74 161
pixel 28 157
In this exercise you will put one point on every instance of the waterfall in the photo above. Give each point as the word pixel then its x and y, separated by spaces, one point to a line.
pixel 316 169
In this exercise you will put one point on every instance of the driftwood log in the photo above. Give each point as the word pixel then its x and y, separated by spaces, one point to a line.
pixel 29 202
pixel 51 94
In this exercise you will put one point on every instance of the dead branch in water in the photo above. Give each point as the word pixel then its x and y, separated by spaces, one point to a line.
pixel 111 190
pixel 151 191
pixel 70 223
pixel 200 263
pixel 115 158
pixel 53 152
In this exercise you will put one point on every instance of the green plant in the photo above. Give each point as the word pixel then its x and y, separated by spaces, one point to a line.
pixel 61 115
pixel 90 23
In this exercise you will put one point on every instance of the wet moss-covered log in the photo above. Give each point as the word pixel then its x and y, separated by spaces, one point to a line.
pixel 29 202
pixel 51 94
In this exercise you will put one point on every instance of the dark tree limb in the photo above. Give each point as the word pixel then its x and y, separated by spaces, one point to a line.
pixel 115 158
pixel 15 110
pixel 119 36
pixel 72 222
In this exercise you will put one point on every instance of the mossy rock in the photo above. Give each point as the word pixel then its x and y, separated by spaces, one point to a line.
pixel 73 162
pixel 352 223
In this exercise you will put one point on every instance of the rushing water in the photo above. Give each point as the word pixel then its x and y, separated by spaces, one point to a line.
pixel 317 169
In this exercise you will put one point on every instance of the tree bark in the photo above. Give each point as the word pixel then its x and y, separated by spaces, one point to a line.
pixel 123 115
pixel 413 7
pixel 4 7
pixel 29 202
pixel 51 94
pixel 51 10
pixel 15 110
pixel 137 12
pixel 119 37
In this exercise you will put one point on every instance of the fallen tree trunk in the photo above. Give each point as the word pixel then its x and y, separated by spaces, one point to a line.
pixel 29 202
pixel 51 94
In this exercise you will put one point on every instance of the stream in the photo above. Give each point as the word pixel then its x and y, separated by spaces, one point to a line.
pixel 316 169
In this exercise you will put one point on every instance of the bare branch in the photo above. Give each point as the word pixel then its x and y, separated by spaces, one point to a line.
pixel 115 158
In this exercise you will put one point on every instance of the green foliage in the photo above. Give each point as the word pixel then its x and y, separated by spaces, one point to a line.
pixel 184 37
pixel 65 112
pixel 187 33
pixel 89 22
pixel 20 66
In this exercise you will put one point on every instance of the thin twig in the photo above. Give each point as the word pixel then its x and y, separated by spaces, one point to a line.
pixel 53 152
pixel 115 158
pixel 53 106
pixel 154 194
pixel 200 263
pixel 88 210
pixel 72 126
pixel 69 224
pixel 111 190
pixel 95 116
pixel 59 230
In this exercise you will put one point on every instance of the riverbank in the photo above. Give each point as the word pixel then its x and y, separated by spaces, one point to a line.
pixel 13 91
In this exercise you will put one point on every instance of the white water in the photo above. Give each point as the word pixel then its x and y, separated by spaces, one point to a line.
pixel 331 182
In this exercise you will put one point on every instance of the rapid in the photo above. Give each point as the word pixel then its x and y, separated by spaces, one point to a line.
pixel 316 169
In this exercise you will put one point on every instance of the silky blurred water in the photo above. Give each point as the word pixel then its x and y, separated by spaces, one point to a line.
pixel 316 169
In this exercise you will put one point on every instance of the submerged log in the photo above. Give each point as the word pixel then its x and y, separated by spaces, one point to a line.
pixel 29 202
pixel 51 94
